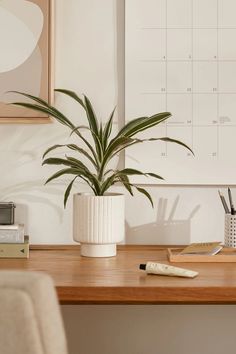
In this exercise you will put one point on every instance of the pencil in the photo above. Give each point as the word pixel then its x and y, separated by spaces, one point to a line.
pixel 231 202
pixel 225 206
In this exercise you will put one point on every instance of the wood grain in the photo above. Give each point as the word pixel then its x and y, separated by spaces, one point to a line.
pixel 118 280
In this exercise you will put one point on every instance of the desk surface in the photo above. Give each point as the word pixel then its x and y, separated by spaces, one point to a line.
pixel 118 280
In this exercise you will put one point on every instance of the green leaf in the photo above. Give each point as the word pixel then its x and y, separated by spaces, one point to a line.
pixel 108 183
pixel 100 135
pixel 108 129
pixel 52 148
pixel 148 123
pixel 83 152
pixel 107 172
pixel 166 139
pixel 73 95
pixel 34 98
pixel 132 171
pixel 78 128
pixel 130 125
pixel 125 181
pixel 87 176
pixel 170 140
pixel 125 146
pixel 70 161
pixel 77 163
pixel 60 118
pixel 154 175
pixel 98 146
pixel 92 119
pixel 66 171
pixel 77 168
pixel 96 158
pixel 56 114
pixel 122 176
pixel 34 107
pixel 47 108
pixel 143 191
pixel 68 190
pixel 57 161
pixel 139 124
pixel 113 147
pixel 72 147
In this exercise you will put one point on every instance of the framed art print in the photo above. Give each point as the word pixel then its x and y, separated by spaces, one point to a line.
pixel 26 57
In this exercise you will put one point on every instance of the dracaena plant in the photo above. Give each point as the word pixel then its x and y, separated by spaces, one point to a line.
pixel 96 173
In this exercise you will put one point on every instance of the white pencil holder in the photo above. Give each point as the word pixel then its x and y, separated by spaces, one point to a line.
pixel 230 230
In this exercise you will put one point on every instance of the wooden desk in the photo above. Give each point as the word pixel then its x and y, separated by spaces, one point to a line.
pixel 118 280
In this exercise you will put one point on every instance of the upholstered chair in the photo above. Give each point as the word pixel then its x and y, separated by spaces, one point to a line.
pixel 30 318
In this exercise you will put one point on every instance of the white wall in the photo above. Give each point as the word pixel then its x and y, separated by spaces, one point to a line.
pixel 86 60
pixel 89 58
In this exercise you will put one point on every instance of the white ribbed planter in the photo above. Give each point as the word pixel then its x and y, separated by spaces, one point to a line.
pixel 98 223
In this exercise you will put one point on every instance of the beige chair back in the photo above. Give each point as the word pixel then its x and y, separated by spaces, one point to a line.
pixel 30 319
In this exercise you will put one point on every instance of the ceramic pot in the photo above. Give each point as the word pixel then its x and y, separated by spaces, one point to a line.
pixel 98 223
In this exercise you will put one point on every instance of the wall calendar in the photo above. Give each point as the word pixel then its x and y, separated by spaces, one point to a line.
pixel 180 56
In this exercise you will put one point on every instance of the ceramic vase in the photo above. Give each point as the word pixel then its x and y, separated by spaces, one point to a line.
pixel 98 223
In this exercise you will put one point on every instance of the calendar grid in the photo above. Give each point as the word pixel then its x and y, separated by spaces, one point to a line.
pixel 181 58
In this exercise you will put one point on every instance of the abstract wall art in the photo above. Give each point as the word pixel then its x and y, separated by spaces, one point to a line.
pixel 26 57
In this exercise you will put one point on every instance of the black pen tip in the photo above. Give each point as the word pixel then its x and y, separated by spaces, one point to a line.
pixel 142 266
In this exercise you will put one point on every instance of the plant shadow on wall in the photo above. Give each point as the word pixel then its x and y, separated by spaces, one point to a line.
pixel 166 229
pixel 21 179
pixel 32 192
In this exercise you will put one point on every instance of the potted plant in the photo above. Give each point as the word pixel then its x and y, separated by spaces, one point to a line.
pixel 98 217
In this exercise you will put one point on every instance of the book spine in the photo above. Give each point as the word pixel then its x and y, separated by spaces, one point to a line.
pixel 14 250
pixel 11 227
pixel 11 239
pixel 12 236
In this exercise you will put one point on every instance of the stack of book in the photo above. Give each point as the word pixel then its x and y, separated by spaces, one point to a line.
pixel 13 242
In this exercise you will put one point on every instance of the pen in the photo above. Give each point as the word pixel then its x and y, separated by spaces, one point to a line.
pixel 224 203
pixel 231 202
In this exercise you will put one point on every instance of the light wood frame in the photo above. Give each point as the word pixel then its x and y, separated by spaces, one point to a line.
pixel 48 119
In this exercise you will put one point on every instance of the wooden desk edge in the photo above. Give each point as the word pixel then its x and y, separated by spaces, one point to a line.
pixel 67 247
pixel 156 296
pixel 69 294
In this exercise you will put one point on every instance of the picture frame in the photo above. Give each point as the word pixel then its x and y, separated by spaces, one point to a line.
pixel 27 65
